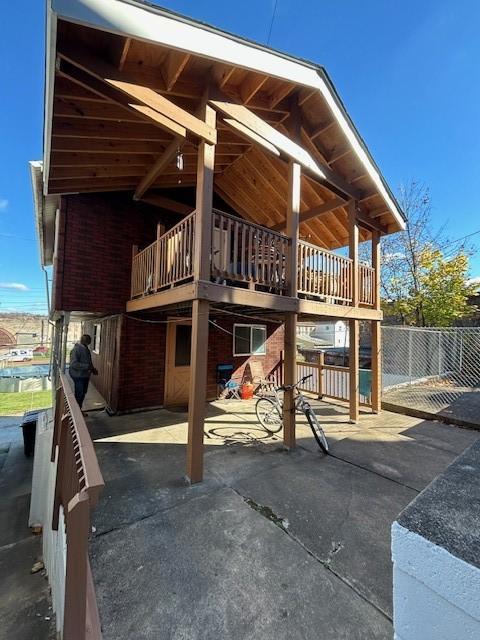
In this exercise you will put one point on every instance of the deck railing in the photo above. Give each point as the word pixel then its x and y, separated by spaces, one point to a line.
pixel 323 274
pixel 330 381
pixel 144 265
pixel 78 484
pixel 246 252
pixel 366 284
pixel 165 262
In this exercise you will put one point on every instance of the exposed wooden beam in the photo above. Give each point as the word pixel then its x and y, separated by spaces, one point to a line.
pixel 292 150
pixel 221 74
pixel 365 221
pixel 72 128
pixel 107 146
pixel 87 185
pixel 70 108
pixel 156 169
pixel 88 159
pixel 124 53
pixel 252 85
pixel 315 212
pixel 76 172
pixel 148 98
pixel 322 128
pixel 158 200
pixel 173 67
pixel 280 93
pixel 250 135
pixel 101 88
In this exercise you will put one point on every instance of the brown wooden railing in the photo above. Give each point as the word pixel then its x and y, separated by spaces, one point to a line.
pixel 78 484
pixel 366 280
pixel 328 381
pixel 251 254
pixel 175 253
pixel 323 274
pixel 246 252
pixel 165 262
pixel 143 270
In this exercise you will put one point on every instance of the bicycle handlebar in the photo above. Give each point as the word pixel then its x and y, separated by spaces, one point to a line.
pixel 287 387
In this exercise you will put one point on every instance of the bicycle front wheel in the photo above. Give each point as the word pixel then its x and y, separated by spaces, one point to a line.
pixel 268 414
pixel 317 430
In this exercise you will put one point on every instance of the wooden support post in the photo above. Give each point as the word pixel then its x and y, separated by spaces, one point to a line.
pixel 290 364
pixel 204 197
pixel 200 308
pixel 376 329
pixel 376 366
pixel 290 374
pixel 354 397
pixel 353 237
pixel 198 390
pixel 376 264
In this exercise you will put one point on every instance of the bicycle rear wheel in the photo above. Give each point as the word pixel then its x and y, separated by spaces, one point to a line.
pixel 268 414
pixel 317 430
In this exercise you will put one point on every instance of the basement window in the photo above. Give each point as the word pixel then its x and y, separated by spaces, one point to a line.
pixel 249 339
pixel 96 338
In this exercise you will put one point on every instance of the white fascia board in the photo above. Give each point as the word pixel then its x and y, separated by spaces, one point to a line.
pixel 153 24
pixel 50 58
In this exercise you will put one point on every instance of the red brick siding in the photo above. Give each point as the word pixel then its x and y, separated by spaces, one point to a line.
pixel 142 365
pixel 94 251
pixel 220 351
pixel 141 361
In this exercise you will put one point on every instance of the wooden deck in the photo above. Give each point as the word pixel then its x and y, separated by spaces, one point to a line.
pixel 247 266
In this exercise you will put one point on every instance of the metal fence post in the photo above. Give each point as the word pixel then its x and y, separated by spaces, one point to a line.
pixel 321 362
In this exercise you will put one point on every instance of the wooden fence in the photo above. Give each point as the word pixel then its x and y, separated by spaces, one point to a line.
pixel 77 487
pixel 323 274
pixel 246 252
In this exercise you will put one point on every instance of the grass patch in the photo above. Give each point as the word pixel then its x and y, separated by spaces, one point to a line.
pixel 12 404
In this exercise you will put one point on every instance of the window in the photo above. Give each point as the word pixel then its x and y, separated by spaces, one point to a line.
pixel 96 338
pixel 249 339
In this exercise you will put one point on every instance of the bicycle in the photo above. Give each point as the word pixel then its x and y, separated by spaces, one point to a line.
pixel 269 412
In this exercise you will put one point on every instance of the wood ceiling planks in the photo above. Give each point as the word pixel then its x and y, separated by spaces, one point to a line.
pixel 97 144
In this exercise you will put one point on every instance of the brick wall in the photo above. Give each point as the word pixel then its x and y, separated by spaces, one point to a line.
pixel 220 351
pixel 140 378
pixel 94 252
pixel 142 365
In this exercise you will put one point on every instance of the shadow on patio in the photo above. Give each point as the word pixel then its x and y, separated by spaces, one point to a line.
pixel 272 544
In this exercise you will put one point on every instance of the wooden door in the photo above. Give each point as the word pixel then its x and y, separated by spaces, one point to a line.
pixel 177 370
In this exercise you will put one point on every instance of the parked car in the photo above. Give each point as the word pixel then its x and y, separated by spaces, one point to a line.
pixel 19 355
pixel 40 351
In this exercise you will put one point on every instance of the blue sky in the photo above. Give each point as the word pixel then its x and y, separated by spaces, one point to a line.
pixel 407 71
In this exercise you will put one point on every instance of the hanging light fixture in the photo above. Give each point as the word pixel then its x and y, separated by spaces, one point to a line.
pixel 179 159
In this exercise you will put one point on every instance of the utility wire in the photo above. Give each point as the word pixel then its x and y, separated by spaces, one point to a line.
pixel 272 21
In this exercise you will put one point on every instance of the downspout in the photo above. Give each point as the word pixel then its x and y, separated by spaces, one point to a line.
pixel 66 320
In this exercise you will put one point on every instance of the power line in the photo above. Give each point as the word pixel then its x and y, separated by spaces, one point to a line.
pixel 272 21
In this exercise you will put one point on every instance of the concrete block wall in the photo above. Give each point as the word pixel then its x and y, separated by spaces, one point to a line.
pixel 436 557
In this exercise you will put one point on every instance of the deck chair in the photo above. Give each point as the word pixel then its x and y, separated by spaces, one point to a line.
pixel 264 384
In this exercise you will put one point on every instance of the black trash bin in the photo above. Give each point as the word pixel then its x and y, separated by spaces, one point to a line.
pixel 29 429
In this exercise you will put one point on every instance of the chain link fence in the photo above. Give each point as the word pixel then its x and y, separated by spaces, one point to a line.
pixel 435 370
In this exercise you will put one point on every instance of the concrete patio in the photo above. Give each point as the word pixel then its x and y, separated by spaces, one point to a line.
pixel 272 544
